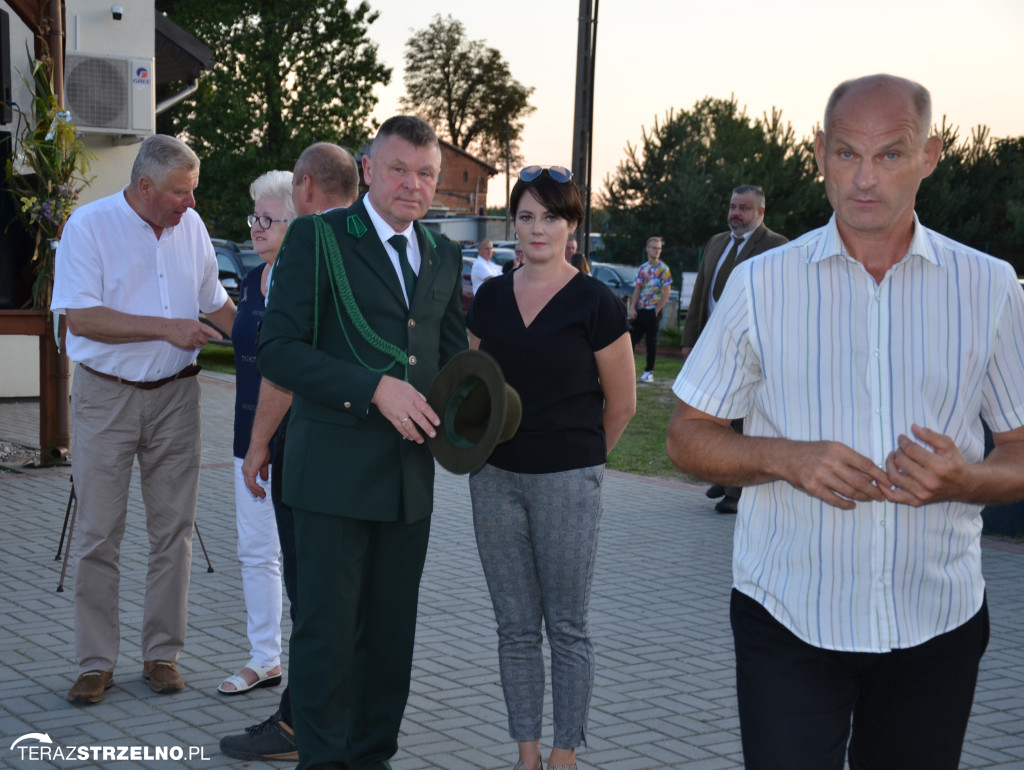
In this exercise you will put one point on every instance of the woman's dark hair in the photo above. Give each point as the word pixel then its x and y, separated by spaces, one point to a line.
pixel 560 198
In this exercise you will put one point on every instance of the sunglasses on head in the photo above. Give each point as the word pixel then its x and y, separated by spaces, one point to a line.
pixel 558 173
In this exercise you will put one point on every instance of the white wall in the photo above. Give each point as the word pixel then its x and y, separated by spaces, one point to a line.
pixel 90 28
pixel 21 41
pixel 19 376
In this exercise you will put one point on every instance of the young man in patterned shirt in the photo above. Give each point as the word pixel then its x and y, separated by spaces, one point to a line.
pixel 653 284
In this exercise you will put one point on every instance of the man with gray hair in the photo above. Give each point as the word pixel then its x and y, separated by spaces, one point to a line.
pixel 865 356
pixel 483 268
pixel 746 237
pixel 133 272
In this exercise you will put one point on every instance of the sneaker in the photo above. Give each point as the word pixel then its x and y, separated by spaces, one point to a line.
pixel 270 739
pixel 647 377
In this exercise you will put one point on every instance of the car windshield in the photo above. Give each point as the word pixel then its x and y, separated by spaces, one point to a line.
pixel 249 260
pixel 626 274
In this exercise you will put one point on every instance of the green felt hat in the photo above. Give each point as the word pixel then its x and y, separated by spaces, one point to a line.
pixel 478 411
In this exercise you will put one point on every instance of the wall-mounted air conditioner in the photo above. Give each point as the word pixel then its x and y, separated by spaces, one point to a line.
pixel 109 94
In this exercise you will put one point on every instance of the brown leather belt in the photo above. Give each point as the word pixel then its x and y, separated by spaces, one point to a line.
pixel 189 371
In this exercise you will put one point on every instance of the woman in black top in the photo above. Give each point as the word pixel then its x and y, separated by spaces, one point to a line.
pixel 562 342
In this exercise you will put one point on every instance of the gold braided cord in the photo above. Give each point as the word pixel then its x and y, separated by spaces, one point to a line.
pixel 343 296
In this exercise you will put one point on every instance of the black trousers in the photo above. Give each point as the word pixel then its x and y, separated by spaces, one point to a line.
pixel 286 534
pixel 645 325
pixel 908 708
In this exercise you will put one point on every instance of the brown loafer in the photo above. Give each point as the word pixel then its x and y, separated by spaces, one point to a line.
pixel 163 676
pixel 90 687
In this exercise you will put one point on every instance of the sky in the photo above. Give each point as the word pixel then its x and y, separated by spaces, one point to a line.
pixel 657 55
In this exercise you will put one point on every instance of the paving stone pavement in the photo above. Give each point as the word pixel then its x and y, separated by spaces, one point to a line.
pixel 664 694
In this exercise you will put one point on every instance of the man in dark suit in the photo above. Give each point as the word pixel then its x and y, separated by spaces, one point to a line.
pixel 746 237
pixel 325 177
pixel 357 333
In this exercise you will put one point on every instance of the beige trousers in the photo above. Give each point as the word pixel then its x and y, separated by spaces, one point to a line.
pixel 113 425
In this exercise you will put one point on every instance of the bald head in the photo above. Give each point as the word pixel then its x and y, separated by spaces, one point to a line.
pixel 882 85
pixel 325 177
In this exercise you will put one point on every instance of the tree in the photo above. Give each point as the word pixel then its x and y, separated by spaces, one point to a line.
pixel 678 181
pixel 287 73
pixel 976 193
pixel 465 90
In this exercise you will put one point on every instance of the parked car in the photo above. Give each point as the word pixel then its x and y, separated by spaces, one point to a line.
pixel 467 282
pixel 233 262
pixel 500 257
pixel 619 278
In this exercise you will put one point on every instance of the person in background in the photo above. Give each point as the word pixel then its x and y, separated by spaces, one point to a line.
pixel 133 272
pixel 653 286
pixel 561 340
pixel 259 547
pixel 746 237
pixel 325 178
pixel 576 258
pixel 864 356
pixel 515 262
pixel 484 268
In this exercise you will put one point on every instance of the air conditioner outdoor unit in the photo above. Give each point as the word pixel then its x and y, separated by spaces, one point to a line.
pixel 109 94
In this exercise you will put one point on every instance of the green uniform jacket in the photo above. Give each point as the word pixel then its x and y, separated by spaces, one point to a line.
pixel 343 457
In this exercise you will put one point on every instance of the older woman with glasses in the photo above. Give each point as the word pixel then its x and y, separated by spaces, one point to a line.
pixel 562 342
pixel 258 545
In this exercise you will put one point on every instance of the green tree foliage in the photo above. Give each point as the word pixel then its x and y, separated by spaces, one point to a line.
pixel 465 90
pixel 287 73
pixel 678 181
pixel 976 193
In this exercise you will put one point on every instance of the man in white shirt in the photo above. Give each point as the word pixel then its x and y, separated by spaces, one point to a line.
pixel 864 356
pixel 133 272
pixel 484 269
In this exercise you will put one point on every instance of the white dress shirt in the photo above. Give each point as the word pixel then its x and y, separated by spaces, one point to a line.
pixel 482 270
pixel 109 256
pixel 384 232
pixel 806 345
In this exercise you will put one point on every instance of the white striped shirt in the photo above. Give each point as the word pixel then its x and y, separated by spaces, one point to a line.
pixel 806 345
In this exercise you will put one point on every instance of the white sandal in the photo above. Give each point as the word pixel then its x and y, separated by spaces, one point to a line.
pixel 263 679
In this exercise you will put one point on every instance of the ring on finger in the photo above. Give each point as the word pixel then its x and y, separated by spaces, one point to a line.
pixel 404 419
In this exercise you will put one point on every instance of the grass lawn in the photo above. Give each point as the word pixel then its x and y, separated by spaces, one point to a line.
pixel 640 450
pixel 642 447
pixel 217 357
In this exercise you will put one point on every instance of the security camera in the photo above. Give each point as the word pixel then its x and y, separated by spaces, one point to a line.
pixel 117 12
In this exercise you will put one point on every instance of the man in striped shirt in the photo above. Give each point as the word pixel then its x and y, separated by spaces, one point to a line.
pixel 864 356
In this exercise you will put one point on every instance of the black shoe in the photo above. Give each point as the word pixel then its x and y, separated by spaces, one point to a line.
pixel 715 490
pixel 271 739
pixel 727 505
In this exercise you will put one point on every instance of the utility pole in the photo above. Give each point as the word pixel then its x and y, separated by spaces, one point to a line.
pixel 508 162
pixel 583 121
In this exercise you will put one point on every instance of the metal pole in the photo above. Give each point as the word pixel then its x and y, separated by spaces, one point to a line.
pixel 508 162
pixel 590 133
pixel 584 109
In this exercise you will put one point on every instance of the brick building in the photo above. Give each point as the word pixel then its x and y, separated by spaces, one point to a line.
pixel 463 185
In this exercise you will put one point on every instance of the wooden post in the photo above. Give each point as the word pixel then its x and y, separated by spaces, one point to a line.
pixel 54 375
pixel 54 417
